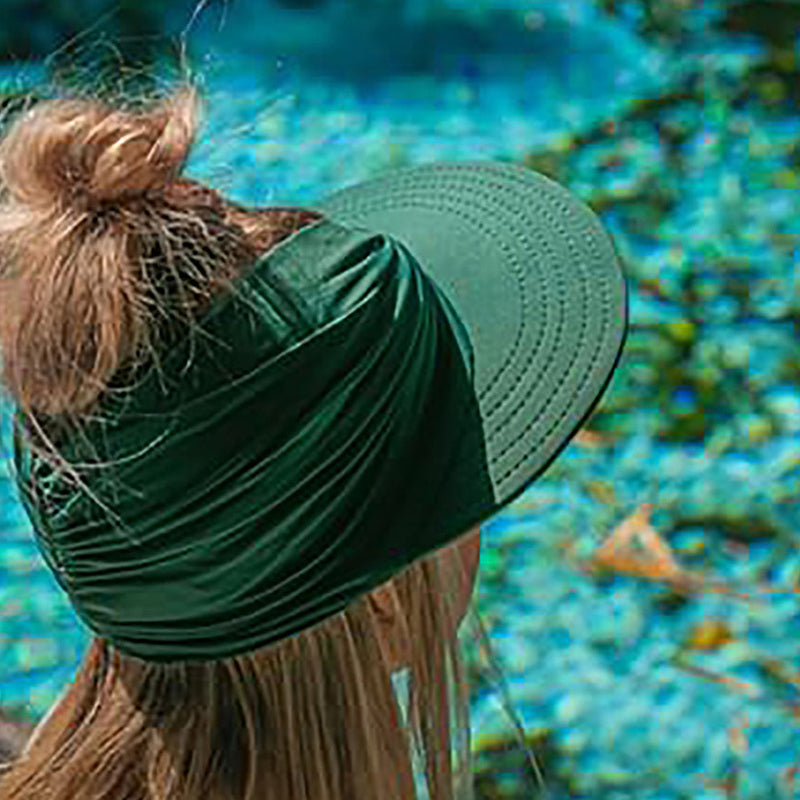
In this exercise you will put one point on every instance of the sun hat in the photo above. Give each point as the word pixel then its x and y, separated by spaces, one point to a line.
pixel 379 383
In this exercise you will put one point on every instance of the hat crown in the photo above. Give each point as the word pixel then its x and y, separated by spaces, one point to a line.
pixel 317 276
pixel 240 490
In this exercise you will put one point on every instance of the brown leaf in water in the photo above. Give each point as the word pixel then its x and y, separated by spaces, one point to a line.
pixel 592 439
pixel 708 635
pixel 727 681
pixel 636 548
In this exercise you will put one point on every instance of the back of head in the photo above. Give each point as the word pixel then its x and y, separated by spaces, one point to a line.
pixel 106 254
pixel 97 234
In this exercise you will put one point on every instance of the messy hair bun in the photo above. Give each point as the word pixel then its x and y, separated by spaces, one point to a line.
pixel 83 154
pixel 95 222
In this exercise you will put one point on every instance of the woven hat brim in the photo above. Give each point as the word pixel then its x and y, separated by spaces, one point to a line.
pixel 536 281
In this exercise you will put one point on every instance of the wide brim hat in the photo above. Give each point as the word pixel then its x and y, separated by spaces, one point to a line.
pixel 380 382
pixel 535 281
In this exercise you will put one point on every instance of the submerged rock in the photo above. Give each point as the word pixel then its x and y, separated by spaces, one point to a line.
pixel 776 22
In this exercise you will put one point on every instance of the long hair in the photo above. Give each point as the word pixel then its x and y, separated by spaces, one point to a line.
pixel 104 250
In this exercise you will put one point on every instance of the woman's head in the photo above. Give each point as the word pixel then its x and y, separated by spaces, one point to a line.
pixel 102 244
pixel 106 255
pixel 383 381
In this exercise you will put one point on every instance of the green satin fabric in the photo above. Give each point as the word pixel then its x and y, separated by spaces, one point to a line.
pixel 276 464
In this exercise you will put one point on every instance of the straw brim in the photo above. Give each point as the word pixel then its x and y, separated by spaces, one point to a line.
pixel 538 286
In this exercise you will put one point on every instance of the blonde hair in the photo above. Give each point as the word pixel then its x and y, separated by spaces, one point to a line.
pixel 104 247
pixel 313 717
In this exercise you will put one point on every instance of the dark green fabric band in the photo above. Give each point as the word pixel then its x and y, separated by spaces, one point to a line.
pixel 276 465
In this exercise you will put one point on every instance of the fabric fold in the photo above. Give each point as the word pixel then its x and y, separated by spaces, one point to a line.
pixel 260 480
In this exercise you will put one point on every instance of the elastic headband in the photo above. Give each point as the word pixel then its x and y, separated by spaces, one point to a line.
pixel 259 479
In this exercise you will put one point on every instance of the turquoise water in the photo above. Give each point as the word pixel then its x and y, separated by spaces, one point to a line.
pixel 679 125
pixel 41 641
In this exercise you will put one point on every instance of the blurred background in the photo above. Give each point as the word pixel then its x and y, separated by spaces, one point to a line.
pixel 641 599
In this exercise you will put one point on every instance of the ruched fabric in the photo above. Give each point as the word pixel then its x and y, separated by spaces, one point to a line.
pixel 276 464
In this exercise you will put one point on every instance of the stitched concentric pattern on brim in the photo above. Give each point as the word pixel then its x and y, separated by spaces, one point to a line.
pixel 536 281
